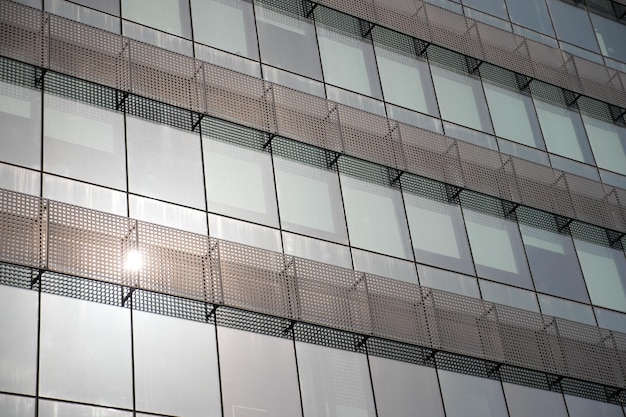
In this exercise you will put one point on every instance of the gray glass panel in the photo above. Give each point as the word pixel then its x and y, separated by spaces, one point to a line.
pixel 583 407
pixel 461 99
pixel 565 309
pixel 488 19
pixel 513 116
pixel 470 396
pixel 157 38
pixel 448 281
pixel 608 142
pixel 510 296
pixel 563 132
pixel 497 249
pixel 84 195
pixel 358 101
pixel 604 270
pixel 494 7
pixel 107 6
pixel 611 320
pixel 164 163
pixel 168 351
pixel 531 13
pixel 85 352
pixel 414 119
pixel 348 62
pixel 294 81
pixel 438 234
pixel 309 199
pixel 170 16
pixel 611 35
pixel 613 179
pixel 317 250
pixel 334 383
pixel 403 389
pixel 553 263
pixel 13 406
pixel 288 42
pixel 244 232
pixel 376 219
pixel 406 81
pixel 83 15
pixel 20 118
pixel 572 24
pixel 227 60
pixel 227 25
pixel 524 152
pixel 239 182
pixel 84 142
pixel 470 135
pixel 165 214
pixel 20 179
pixel 524 401
pixel 18 340
pixel 59 409
pixel 576 168
pixel 258 375
pixel 384 266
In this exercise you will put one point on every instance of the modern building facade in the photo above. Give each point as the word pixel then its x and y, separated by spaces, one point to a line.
pixel 339 208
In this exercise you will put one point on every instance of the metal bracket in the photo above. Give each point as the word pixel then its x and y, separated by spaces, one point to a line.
pixel 40 78
pixel 616 393
pixel 420 46
pixel 120 102
pixel 195 124
pixel 362 342
pixel 37 279
pixel 292 324
pixel 571 98
pixel 493 368
pixel 312 7
pixel 366 28
pixel 617 113
pixel 554 380
pixel 509 208
pixel 473 64
pixel 334 160
pixel 268 142
pixel 211 313
pixel 396 178
pixel 563 223
pixel 453 193
pixel 614 238
pixel 126 297
pixel 523 82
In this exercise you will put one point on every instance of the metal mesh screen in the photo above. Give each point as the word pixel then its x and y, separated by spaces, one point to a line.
pixel 24 34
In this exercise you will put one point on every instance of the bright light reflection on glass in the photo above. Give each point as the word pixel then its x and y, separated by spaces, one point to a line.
pixel 134 261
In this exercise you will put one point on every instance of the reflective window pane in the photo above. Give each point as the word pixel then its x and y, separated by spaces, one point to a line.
pixel 310 200
pixel 448 281
pixel 164 163
pixel 293 81
pixel 510 296
pixel 18 341
pixel 166 214
pixel 334 383
pixel 20 118
pixel 401 389
pixel 465 396
pixel 461 99
pixel 246 361
pixel 244 232
pixel 317 250
pixel 524 401
pixel 376 219
pixel 384 266
pixel 157 38
pixel 610 36
pixel 73 333
pixel 227 25
pixel 15 406
pixel 83 15
pixel 608 142
pixel 611 320
pixel 20 179
pixel 170 16
pixel 227 60
pixel 565 309
pixel 84 195
pixel 531 13
pixel 494 7
pixel 406 81
pixel 167 351
pixel 239 182
pixel 572 24
pixel 348 62
pixel 583 407
pixel 58 409
pixel 107 6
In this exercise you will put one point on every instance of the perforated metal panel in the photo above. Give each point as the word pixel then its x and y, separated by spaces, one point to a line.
pixel 406 16
pixel 83 289
pixel 23 229
pixel 168 305
pixel 589 201
pixel 91 244
pixel 453 31
pixel 24 33
pixel 504 49
pixel 329 294
pixel 258 280
pixel 599 81
pixel 89 53
pixel 167 76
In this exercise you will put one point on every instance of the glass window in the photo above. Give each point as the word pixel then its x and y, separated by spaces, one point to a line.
pixel 348 62
pixel 565 309
pixel 448 281
pixel 494 7
pixel 170 16
pixel 239 182
pixel 107 6
pixel 461 99
pixel 576 168
pixel 84 142
pixel 58 409
pixel 604 270
pixel 524 152
pixel 438 233
pixel 164 163
pixel 246 361
pixel 334 383
pixel 14 406
pixel 470 136
pixel 584 407
pixel 608 142
pixel 309 199
pixel 525 401
pixel 18 340
pixel 73 333
pixel 20 118
pixel 226 60
pixel 406 81
pixel 376 219
pixel 317 250
pixel 84 195
pixel 401 389
pixel 244 232
pixel 610 36
pixel 497 249
pixel 414 119
pixel 358 101
pixel 19 179
pixel 227 25
pixel 83 15
pixel 531 13
pixel 167 351
pixel 611 320
pixel 504 294
pixel 169 215
pixel 572 24
pixel 384 266
pixel 288 42
pixel 465 396
pixel 563 132
pixel 293 81
pixel 157 38
pixel 513 116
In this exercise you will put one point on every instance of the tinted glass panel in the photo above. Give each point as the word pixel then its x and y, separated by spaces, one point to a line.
pixel 448 281
pixel 525 401
pixel 244 232
pixel 107 6
pixel 608 142
pixel 167 15
pixel 494 7
pixel 504 294
pixel 583 407
pixel 565 309
pixel 470 396
pixel 610 36
pixel 317 250
pixel 384 266
pixel 16 406
pixel 572 25
pixel 166 214
pixel 611 320
pixel 532 14
pixel 84 195
pixel 83 15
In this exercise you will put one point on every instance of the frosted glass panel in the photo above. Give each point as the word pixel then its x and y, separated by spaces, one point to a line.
pixel 470 396
pixel 14 406
pixel 59 409
pixel 384 266
pixel 510 296
pixel 524 401
pixel 170 215
pixel 168 351
pixel 448 281
pixel 317 250
pixel 608 142
pixel 20 179
pixel 167 15
pixel 244 232
pixel 610 36
pixel 84 195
